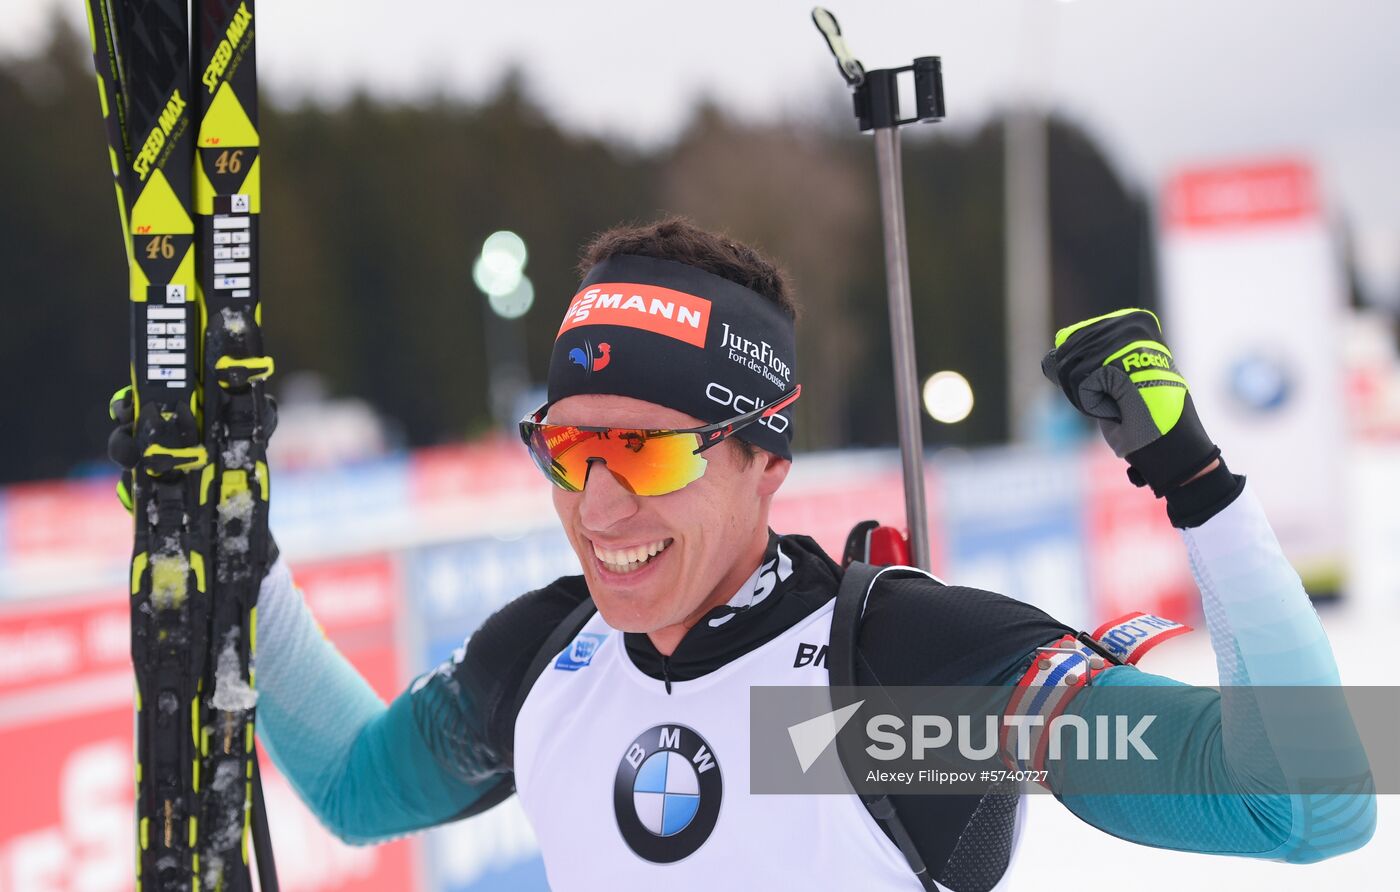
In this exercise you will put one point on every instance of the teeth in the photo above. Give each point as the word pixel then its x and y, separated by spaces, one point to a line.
pixel 626 560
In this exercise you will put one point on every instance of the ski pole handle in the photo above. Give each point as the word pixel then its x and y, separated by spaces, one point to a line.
pixel 851 69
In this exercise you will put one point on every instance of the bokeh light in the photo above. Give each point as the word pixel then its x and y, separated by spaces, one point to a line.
pixel 515 303
pixel 501 267
pixel 948 397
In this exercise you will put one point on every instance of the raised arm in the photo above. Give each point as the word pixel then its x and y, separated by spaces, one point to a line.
pixel 1248 741
pixel 1253 749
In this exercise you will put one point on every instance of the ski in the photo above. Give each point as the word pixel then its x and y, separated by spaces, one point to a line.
pixel 179 105
pixel 227 207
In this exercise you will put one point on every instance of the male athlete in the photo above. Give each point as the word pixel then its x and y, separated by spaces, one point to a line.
pixel 615 702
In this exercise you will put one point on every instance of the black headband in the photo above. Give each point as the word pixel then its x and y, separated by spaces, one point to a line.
pixel 680 337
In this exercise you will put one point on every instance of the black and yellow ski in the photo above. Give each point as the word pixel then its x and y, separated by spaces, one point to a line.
pixel 180 111
pixel 227 198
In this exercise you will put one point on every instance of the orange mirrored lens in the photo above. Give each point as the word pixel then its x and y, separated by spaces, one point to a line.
pixel 648 466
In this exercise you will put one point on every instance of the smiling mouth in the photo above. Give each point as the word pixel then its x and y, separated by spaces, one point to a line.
pixel 629 560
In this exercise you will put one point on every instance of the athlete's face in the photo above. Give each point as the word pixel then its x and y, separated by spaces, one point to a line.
pixel 707 537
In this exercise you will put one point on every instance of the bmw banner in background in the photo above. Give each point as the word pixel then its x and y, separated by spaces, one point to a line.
pixel 1014 524
pixel 1252 302
pixel 452 589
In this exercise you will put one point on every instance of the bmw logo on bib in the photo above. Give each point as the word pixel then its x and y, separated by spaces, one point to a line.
pixel 667 793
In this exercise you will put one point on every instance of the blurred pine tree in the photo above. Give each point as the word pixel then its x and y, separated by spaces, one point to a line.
pixel 375 211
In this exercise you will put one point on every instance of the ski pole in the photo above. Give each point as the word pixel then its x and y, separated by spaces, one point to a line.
pixel 876 95
pixel 262 835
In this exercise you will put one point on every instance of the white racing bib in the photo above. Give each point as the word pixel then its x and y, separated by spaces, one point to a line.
pixel 628 787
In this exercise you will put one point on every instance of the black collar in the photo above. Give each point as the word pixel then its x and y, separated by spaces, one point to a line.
pixel 794 578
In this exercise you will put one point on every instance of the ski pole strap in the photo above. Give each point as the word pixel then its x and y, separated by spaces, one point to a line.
pixel 856 585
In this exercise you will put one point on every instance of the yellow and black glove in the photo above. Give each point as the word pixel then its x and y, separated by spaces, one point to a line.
pixel 1115 368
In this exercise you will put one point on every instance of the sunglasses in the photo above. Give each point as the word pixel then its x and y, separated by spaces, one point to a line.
pixel 647 462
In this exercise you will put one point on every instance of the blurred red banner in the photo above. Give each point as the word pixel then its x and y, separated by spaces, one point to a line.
pixel 1247 194
pixel 66 741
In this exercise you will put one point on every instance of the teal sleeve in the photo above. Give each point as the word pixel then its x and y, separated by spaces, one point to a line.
pixel 1187 738
pixel 1260 745
pixel 392 783
pixel 363 769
